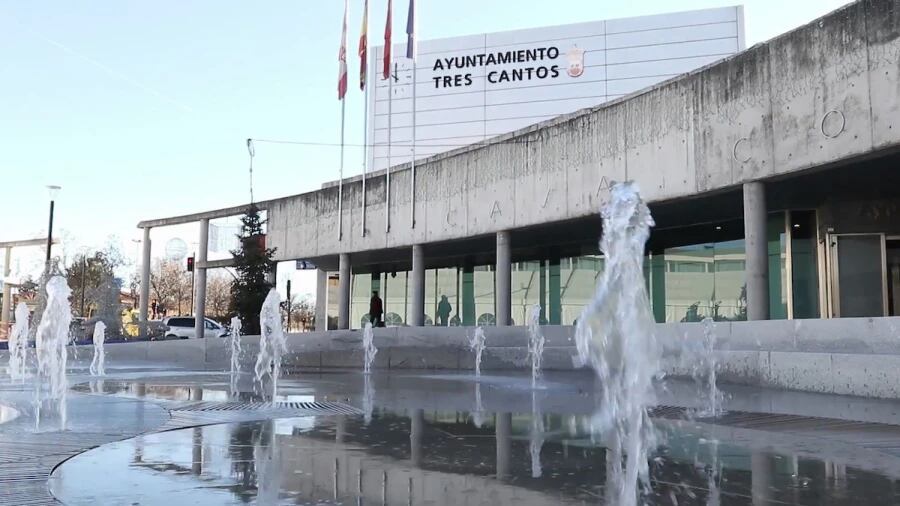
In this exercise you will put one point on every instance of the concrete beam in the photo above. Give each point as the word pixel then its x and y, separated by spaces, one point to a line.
pixel 204 215
pixel 26 242
pixel 214 264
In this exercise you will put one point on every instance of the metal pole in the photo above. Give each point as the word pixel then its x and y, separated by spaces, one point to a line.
pixel 341 183
pixel 412 173
pixel 50 232
pixel 362 224
pixel 289 305
pixel 192 287
pixel 83 281
pixel 387 172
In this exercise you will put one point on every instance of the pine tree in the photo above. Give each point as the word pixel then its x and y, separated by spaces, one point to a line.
pixel 253 262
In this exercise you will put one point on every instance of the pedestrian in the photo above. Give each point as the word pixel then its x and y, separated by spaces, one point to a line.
pixel 376 309
pixel 443 311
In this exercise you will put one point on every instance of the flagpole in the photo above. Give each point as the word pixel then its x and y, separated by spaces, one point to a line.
pixel 341 184
pixel 387 174
pixel 365 155
pixel 412 185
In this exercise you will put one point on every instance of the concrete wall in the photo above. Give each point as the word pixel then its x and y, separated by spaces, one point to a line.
pixel 851 356
pixel 825 92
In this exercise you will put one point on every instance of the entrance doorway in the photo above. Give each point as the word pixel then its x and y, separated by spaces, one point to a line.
pixel 859 277
pixel 892 252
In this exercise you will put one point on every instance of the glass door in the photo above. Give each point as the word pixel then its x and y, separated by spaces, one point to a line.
pixel 858 277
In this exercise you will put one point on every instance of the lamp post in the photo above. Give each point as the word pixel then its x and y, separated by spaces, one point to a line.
pixel 53 190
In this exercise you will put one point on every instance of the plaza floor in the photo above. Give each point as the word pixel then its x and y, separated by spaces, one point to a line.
pixel 143 435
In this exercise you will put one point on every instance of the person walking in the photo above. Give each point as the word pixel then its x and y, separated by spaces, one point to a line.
pixel 376 310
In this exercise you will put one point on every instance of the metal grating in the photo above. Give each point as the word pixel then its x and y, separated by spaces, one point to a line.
pixel 301 408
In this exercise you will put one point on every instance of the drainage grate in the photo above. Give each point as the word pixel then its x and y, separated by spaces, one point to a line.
pixel 301 408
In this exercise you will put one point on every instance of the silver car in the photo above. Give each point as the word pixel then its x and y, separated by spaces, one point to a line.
pixel 182 327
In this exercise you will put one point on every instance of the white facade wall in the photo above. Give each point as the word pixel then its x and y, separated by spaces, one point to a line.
pixel 459 106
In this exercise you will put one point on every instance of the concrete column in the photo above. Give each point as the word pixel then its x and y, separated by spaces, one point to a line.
pixel 344 292
pixel 417 319
pixel 757 251
pixel 762 468
pixel 503 284
pixel 7 292
pixel 197 452
pixel 503 433
pixel 417 427
pixel 321 300
pixel 200 279
pixel 145 283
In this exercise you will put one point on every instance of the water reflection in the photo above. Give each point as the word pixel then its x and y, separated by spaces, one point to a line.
pixel 428 457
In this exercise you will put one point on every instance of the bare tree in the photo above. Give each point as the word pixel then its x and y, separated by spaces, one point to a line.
pixel 303 313
pixel 218 294
pixel 171 286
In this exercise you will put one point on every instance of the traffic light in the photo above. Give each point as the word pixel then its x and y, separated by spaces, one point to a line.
pixel 190 264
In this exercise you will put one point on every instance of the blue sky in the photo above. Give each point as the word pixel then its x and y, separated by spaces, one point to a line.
pixel 141 109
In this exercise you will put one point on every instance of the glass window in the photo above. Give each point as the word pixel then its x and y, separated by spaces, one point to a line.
pixel 689 282
pixel 529 287
pixel 361 288
pixel 777 267
pixel 483 287
pixel 577 285
pixel 804 264
pixel 396 299
pixel 446 297
pixel 729 301
pixel 332 300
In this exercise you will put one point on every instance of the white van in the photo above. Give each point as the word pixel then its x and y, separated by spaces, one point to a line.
pixel 182 327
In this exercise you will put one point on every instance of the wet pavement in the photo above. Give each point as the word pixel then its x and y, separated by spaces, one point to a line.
pixel 144 436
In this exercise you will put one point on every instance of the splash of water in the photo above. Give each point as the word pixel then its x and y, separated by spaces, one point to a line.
pixel 535 343
pixel 478 414
pixel 708 366
pixel 369 347
pixel 368 400
pixel 615 335
pixel 51 339
pixel 272 344
pixel 477 345
pixel 18 341
pixel 98 367
pixel 269 471
pixel 713 477
pixel 536 436
pixel 234 340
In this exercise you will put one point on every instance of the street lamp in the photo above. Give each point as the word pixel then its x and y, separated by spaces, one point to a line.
pixel 53 190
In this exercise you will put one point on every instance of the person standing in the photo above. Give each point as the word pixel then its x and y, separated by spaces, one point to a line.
pixel 376 310
pixel 443 311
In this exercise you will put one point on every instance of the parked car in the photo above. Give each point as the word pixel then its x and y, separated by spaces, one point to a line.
pixel 182 327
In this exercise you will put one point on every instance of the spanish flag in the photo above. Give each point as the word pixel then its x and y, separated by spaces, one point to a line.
pixel 387 43
pixel 342 58
pixel 364 46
